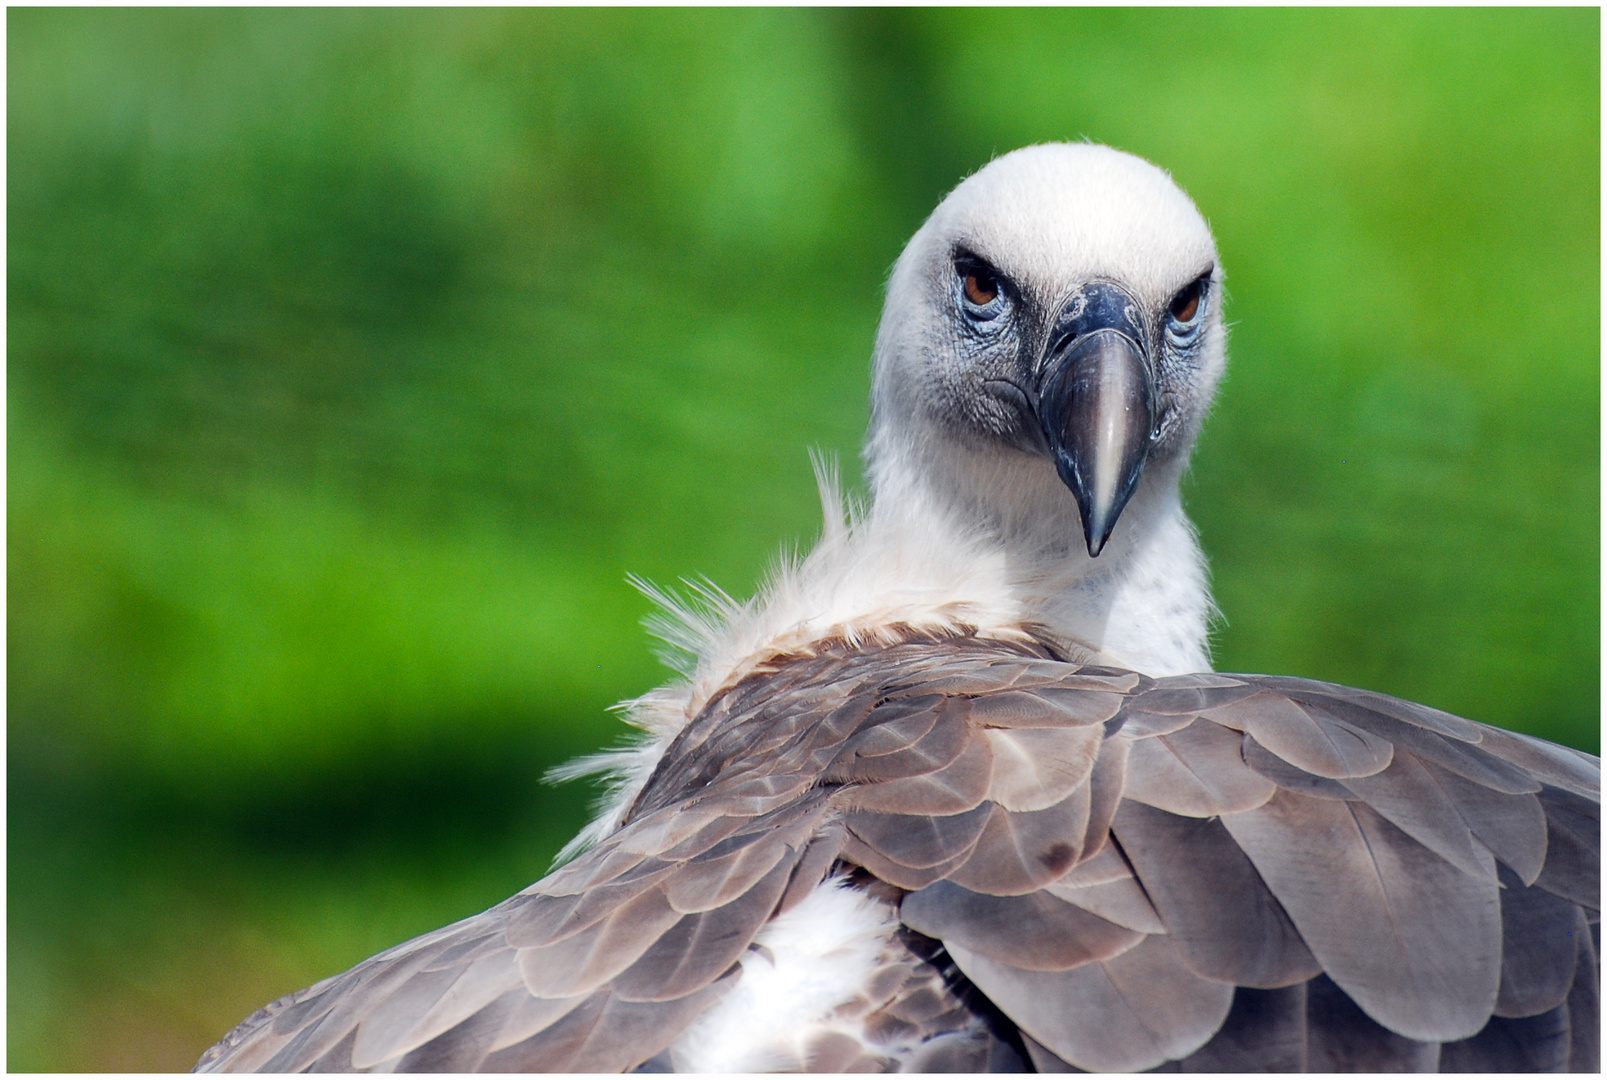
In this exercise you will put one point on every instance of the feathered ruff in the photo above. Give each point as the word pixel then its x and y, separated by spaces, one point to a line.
pixel 872 579
pixel 908 567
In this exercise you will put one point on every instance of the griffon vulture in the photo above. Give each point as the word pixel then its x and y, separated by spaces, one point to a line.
pixel 959 790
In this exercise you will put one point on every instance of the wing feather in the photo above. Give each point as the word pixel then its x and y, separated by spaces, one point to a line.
pixel 1341 1038
pixel 461 1047
pixel 925 732
pixel 1540 946
pixel 528 1015
pixel 1370 702
pixel 1408 796
pixel 1190 695
pixel 1198 771
pixel 1513 827
pixel 430 1002
pixel 713 828
pixel 1528 1044
pixel 1227 925
pixel 1571 770
pixel 536 920
pixel 337 1058
pixel 1118 898
pixel 1029 675
pixel 1265 1031
pixel 1288 777
pixel 1105 787
pixel 1584 1010
pixel 1021 853
pixel 1462 756
pixel 1138 724
pixel 1036 932
pixel 1049 706
pixel 817 861
pixel 549 1049
pixel 1573 847
pixel 954 788
pixel 1414 940
pixel 1035 768
pixel 696 950
pixel 919 841
pixel 715 882
pixel 1131 1012
pixel 1310 737
pixel 374 981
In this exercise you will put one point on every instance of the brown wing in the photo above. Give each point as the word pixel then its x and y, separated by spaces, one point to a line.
pixel 599 966
pixel 1300 876
pixel 1208 872
pixel 636 937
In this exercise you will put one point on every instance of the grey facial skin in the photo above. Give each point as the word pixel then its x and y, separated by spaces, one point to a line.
pixel 1086 392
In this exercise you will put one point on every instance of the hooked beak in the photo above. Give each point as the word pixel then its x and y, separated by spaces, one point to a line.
pixel 1096 402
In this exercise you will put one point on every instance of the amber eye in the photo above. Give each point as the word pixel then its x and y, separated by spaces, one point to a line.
pixel 1187 303
pixel 980 288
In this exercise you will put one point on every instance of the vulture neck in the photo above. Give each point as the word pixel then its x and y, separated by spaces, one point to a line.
pixel 1142 604
pixel 966 541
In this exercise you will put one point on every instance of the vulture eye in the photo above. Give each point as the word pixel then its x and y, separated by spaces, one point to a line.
pixel 1186 304
pixel 980 288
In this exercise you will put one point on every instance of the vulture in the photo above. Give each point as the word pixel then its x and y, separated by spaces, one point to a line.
pixel 960 791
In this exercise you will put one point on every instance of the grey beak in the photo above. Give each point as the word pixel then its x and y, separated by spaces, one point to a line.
pixel 1096 401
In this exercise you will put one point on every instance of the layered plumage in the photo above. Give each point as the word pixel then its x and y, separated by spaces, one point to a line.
pixel 956 794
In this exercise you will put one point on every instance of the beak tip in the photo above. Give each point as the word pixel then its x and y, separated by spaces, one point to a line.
pixel 1096 402
pixel 1096 525
pixel 1096 539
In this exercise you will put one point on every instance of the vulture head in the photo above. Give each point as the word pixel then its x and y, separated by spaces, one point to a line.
pixel 1051 341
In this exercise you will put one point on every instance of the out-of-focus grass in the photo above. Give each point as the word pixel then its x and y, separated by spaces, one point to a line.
pixel 356 356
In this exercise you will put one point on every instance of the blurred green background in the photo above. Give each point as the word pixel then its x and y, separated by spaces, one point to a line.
pixel 356 357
